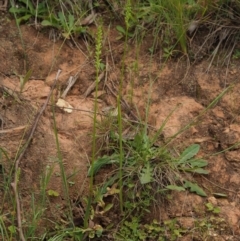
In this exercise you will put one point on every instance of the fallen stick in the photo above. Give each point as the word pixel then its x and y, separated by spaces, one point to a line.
pixel 91 88
pixel 15 182
pixel 124 102
pixel 71 82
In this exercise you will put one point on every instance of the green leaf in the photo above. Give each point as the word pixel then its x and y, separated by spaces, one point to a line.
pixel 26 2
pixel 99 230
pixel 188 153
pixel 52 23
pixel 62 19
pixel 29 6
pixel 108 207
pixel 12 229
pixel 66 35
pixel 52 193
pixel 18 10
pixel 91 234
pixel 24 79
pixel 217 210
pixel 195 170
pixel 102 161
pixel 213 209
pixel 209 206
pixel 79 29
pixel 198 163
pixel 24 18
pixel 71 183
pixel 46 23
pixel 200 171
pixel 146 174
pixel 121 29
pixel 70 22
pixel 123 32
pixel 175 188
pixel 195 188
pixel 42 8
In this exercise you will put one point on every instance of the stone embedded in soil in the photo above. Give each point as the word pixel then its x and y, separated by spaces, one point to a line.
pixel 212 200
pixel 230 136
pixel 233 156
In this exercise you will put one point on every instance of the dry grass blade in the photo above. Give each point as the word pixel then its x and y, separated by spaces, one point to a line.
pixel 12 93
pixel 218 35
pixel 12 130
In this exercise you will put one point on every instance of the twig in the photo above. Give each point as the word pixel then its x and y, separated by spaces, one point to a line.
pixel 223 188
pixel 1 121
pixel 93 85
pixel 71 82
pixel 14 183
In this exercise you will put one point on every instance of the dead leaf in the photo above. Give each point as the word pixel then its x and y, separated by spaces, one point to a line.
pixel 89 19
pixel 63 104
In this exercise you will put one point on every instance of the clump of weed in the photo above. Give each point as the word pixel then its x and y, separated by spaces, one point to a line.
pixel 27 10
pixel 211 226
pixel 65 17
pixel 149 171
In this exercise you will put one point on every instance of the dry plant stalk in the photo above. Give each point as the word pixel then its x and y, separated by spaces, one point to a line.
pixel 91 88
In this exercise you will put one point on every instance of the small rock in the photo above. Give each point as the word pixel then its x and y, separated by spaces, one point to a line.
pixel 187 222
pixel 213 200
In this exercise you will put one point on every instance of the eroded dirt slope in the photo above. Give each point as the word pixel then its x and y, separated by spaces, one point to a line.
pixel 189 91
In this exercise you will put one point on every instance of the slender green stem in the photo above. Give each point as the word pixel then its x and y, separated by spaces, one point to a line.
pixel 127 18
pixel 121 153
pixel 97 66
pixel 60 161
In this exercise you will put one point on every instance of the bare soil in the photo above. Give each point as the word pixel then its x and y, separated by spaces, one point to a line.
pixel 190 89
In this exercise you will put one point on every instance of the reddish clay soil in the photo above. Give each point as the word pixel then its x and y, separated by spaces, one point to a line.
pixel 190 89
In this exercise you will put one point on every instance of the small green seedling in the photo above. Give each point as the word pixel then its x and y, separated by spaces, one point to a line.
pixel 12 229
pixel 211 208
pixel 24 79
pixel 52 193
pixel 123 32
